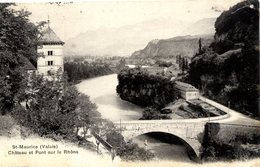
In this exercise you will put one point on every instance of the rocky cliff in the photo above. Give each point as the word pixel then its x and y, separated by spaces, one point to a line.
pixel 141 88
pixel 228 71
pixel 167 48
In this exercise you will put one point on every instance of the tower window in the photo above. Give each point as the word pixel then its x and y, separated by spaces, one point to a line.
pixel 50 53
pixel 50 63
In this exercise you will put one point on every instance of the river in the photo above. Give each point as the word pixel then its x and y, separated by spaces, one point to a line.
pixel 102 91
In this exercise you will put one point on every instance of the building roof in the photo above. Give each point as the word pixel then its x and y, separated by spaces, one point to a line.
pixel 27 64
pixel 184 86
pixel 49 37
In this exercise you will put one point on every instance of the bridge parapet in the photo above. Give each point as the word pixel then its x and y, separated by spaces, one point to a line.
pixel 171 121
pixel 159 125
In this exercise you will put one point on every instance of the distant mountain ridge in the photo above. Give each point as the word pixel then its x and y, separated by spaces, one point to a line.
pixel 124 40
pixel 203 26
pixel 180 45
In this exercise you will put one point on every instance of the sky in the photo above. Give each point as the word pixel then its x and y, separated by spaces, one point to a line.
pixel 69 19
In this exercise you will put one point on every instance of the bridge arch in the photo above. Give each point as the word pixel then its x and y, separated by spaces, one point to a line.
pixel 190 149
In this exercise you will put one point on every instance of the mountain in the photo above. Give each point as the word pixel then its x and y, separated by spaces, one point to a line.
pixel 124 40
pixel 181 45
pixel 203 26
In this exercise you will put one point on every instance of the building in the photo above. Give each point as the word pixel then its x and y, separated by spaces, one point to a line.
pixel 186 91
pixel 50 56
pixel 28 66
pixel 155 70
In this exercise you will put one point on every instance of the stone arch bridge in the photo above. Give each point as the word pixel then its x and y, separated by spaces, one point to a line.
pixel 189 131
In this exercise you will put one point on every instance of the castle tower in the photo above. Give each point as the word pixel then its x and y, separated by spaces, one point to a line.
pixel 49 48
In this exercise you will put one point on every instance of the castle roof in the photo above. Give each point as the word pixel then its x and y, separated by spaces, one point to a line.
pixel 49 37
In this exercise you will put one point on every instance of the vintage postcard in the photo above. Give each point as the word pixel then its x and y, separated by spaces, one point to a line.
pixel 119 83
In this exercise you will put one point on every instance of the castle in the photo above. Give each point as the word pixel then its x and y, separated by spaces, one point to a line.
pixel 50 56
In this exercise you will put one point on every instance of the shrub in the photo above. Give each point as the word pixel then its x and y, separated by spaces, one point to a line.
pixel 128 151
pixel 153 114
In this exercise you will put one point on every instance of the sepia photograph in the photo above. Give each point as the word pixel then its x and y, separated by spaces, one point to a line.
pixel 129 83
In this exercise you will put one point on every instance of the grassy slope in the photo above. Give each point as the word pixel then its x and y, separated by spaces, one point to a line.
pixel 9 126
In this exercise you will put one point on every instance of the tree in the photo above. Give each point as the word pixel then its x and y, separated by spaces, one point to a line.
pixel 131 151
pixel 150 114
pixel 128 151
pixel 178 59
pixel 200 46
pixel 205 81
pixel 121 64
pixel 86 113
pixel 78 71
pixel 183 67
pixel 18 38
pixel 54 108
pixel 186 64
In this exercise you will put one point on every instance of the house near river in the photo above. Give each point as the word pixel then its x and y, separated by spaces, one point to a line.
pixel 186 91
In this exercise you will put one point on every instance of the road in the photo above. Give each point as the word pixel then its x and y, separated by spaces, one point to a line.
pixel 234 117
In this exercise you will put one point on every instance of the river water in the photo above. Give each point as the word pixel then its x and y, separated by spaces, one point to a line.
pixel 102 91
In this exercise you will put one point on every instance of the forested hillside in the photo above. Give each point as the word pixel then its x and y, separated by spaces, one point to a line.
pixel 78 71
pixel 227 71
